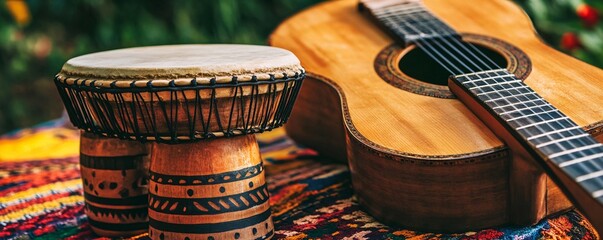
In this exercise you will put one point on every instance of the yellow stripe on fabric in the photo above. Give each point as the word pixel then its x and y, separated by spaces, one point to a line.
pixel 284 153
pixel 42 189
pixel 41 145
pixel 41 208
pixel 269 136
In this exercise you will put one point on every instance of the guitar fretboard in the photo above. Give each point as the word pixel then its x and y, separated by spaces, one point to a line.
pixel 547 130
pixel 409 20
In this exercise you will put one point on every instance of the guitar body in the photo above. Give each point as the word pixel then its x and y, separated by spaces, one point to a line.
pixel 419 157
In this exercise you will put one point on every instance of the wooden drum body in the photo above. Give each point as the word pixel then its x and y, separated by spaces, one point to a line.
pixel 114 176
pixel 220 192
pixel 202 104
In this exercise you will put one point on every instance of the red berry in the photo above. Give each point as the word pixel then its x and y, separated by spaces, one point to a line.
pixel 588 14
pixel 570 41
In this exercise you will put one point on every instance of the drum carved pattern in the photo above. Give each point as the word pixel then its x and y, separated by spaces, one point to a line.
pixel 115 191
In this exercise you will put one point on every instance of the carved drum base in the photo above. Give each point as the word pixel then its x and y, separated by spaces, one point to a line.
pixel 114 176
pixel 212 189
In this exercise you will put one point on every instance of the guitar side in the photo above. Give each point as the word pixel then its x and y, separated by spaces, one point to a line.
pixel 424 162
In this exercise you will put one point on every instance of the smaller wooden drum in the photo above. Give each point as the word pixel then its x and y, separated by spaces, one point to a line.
pixel 202 104
pixel 115 182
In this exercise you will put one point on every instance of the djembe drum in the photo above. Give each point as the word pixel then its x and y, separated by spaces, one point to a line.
pixel 201 104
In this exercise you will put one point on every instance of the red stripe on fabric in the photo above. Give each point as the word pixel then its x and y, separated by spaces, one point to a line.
pixel 60 215
pixel 41 179
pixel 48 174
pixel 38 163
pixel 33 201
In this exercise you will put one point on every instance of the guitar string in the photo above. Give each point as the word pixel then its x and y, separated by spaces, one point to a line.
pixel 582 166
pixel 441 61
pixel 548 137
pixel 429 48
pixel 473 63
pixel 416 8
pixel 572 144
pixel 495 77
pixel 432 49
pixel 537 114
pixel 449 31
pixel 437 35
pixel 421 8
pixel 585 166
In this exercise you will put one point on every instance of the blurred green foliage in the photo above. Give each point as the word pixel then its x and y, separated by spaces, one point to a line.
pixel 37 37
pixel 561 22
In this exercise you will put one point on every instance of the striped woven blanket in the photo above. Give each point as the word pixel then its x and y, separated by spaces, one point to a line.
pixel 41 195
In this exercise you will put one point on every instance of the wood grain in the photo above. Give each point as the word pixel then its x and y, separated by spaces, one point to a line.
pixel 395 138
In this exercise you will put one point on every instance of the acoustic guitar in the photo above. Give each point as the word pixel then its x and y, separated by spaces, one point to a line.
pixel 453 115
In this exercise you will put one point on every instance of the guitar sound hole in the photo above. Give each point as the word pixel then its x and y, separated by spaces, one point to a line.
pixel 418 65
pixel 410 69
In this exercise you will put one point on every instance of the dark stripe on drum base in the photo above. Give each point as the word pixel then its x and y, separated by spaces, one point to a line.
pixel 225 177
pixel 203 206
pixel 139 212
pixel 209 227
pixel 268 235
pixel 110 163
pixel 129 201
pixel 125 227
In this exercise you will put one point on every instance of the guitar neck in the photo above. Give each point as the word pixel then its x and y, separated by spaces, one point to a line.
pixel 572 157
pixel 550 136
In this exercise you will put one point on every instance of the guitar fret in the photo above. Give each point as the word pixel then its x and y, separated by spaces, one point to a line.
pixel 589 176
pixel 416 21
pixel 500 89
pixel 487 78
pixel 418 30
pixel 482 72
pixel 410 21
pixel 404 8
pixel 500 83
pixel 554 155
pixel 531 115
pixel 387 15
pixel 508 89
pixel 553 132
pixel 526 108
pixel 542 122
pixel 562 140
pixel 409 28
pixel 513 104
pixel 419 13
pixel 597 194
pixel 393 12
pixel 579 160
pixel 504 97
pixel 541 111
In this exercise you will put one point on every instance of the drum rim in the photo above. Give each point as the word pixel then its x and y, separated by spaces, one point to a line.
pixel 177 81
pixel 81 115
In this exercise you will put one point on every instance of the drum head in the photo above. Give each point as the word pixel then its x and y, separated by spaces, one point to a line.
pixel 220 61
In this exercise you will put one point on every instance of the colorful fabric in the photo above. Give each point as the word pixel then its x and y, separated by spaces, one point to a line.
pixel 40 195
